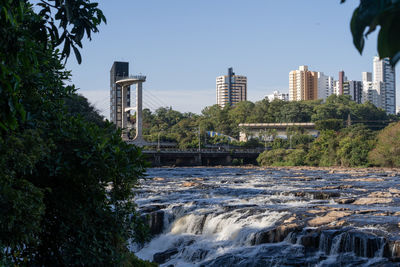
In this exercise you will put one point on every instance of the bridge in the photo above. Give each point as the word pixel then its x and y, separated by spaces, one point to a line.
pixel 203 157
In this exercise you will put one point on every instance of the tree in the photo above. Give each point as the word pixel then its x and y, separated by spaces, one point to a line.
pixel 295 111
pixel 374 13
pixel 78 105
pixel 354 145
pixel 323 150
pixel 387 150
pixel 66 177
pixel 329 124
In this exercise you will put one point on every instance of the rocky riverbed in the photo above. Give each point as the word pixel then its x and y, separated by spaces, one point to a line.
pixel 271 217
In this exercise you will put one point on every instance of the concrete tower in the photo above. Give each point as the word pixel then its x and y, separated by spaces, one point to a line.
pixel 118 70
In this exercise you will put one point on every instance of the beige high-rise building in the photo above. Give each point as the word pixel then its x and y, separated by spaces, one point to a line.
pixel 231 88
pixel 303 84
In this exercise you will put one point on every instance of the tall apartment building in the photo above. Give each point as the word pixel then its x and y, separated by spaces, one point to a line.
pixel 118 69
pixel 325 85
pixel 303 84
pixel 366 76
pixel 369 90
pixel 231 89
pixel 385 84
pixel 354 89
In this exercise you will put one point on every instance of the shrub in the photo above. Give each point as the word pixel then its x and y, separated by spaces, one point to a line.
pixel 323 150
pixel 271 157
pixel 354 145
pixel 296 157
pixel 387 150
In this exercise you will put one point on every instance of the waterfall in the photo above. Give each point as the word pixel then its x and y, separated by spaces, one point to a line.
pixel 257 218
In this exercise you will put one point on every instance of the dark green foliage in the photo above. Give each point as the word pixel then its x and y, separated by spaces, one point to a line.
pixel 272 157
pixel 252 143
pixel 371 14
pixel 323 150
pixel 182 128
pixel 329 124
pixel 296 157
pixel 280 143
pixel 91 173
pixel 301 140
pixel 282 157
pixel 78 105
pixel 75 19
pixel 387 150
pixel 354 145
pixel 349 147
pixel 66 177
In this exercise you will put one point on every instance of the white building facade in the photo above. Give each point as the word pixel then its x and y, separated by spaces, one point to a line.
pixel 325 85
pixel 385 84
pixel 278 95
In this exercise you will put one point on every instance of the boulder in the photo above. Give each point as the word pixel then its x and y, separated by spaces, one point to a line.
pixel 372 200
pixel 345 200
pixel 380 195
pixel 328 218
pixel 394 191
pixel 365 180
pixel 275 235
pixel 189 184
pixel 156 222
pixel 164 256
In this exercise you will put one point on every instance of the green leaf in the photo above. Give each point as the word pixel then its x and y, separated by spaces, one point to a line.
pixel 77 54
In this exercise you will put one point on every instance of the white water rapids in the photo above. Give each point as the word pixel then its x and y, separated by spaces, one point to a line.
pixel 217 217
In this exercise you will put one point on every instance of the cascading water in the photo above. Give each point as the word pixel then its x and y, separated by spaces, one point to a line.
pixel 276 217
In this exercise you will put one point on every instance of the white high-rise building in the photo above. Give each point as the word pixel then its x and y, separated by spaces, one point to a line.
pixel 385 84
pixel 366 76
pixel 325 85
pixel 278 95
pixel 336 87
pixel 369 91
pixel 370 94
pixel 231 89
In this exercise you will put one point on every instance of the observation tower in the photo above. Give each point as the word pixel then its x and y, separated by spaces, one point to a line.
pixel 125 82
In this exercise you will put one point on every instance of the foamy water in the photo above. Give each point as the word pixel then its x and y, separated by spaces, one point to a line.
pixel 214 220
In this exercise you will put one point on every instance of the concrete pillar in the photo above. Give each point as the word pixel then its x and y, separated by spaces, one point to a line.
pixel 228 159
pixel 197 159
pixel 124 94
pixel 157 160
pixel 139 119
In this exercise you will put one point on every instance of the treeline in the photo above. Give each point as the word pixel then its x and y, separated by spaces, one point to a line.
pixel 170 125
pixel 349 147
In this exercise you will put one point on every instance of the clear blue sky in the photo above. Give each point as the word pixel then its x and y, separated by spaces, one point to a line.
pixel 182 45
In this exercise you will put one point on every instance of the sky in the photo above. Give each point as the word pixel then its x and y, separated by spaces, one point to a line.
pixel 183 45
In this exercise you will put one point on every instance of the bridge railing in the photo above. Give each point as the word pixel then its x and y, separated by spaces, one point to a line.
pixel 207 150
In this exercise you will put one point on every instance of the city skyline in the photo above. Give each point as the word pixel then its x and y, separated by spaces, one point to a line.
pixel 182 60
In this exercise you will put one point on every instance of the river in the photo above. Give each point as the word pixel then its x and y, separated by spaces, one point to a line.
pixel 271 217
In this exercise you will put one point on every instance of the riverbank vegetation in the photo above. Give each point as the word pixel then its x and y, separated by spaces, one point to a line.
pixel 350 134
pixel 348 130
pixel 66 176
